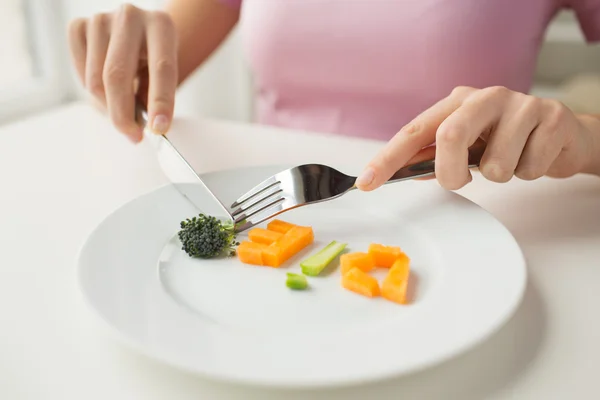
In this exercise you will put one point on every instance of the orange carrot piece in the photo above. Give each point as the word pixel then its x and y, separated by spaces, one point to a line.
pixel 272 256
pixel 294 241
pixel 251 253
pixel 358 281
pixel 395 284
pixel 395 292
pixel 401 267
pixel 275 248
pixel 265 236
pixel 279 226
pixel 362 261
pixel 384 256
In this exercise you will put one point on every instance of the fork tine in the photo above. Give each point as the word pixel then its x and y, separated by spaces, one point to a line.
pixel 269 193
pixel 264 185
pixel 258 208
pixel 259 217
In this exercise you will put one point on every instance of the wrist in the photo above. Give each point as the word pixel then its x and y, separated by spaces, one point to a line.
pixel 590 125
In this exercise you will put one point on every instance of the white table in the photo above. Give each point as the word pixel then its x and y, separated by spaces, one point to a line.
pixel 62 172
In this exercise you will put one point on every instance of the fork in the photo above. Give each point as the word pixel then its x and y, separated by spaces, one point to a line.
pixel 315 183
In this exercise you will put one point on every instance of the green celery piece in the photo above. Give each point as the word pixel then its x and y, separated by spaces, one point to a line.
pixel 316 263
pixel 296 281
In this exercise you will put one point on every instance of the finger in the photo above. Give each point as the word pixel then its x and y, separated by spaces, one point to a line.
pixel 142 86
pixel 408 141
pixel 428 153
pixel 120 69
pixel 98 33
pixel 459 131
pixel 162 69
pixel 543 146
pixel 507 141
pixel 77 45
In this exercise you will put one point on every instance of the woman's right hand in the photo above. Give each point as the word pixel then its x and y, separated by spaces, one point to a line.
pixel 124 54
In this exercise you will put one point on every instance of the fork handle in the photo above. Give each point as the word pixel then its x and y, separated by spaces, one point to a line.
pixel 426 168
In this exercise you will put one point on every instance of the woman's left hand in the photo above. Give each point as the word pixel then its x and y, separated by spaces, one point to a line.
pixel 526 136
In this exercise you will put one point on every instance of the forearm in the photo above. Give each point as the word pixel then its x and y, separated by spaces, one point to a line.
pixel 592 124
pixel 201 25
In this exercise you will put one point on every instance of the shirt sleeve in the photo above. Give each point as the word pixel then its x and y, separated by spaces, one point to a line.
pixel 588 14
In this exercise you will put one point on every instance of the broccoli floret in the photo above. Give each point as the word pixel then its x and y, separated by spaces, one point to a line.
pixel 207 237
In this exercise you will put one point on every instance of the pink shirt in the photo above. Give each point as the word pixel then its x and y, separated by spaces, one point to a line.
pixel 367 67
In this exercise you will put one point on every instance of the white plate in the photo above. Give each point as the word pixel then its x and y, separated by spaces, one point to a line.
pixel 235 322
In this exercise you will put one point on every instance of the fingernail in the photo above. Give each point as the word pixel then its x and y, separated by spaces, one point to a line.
pixel 160 124
pixel 366 178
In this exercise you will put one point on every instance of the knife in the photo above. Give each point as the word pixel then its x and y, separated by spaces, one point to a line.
pixel 180 173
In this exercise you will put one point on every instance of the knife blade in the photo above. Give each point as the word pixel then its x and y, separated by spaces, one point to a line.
pixel 180 173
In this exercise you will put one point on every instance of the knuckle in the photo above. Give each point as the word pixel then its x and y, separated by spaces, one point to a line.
pixel 100 21
pixel 555 115
pixel 450 135
pixel 412 128
pixel 163 19
pixel 162 104
pixel 496 171
pixel 129 12
pixel 77 28
pixel 115 75
pixel 530 105
pixel 165 66
pixel 496 91
pixel 461 91
pixel 95 85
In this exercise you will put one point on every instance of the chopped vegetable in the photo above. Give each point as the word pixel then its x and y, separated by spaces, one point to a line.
pixel 272 256
pixel 362 261
pixel 251 253
pixel 384 256
pixel 360 282
pixel 260 235
pixel 294 240
pixel 394 290
pixel 403 262
pixel 279 226
pixel 279 251
pixel 316 263
pixel 395 284
pixel 296 281
pixel 207 237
